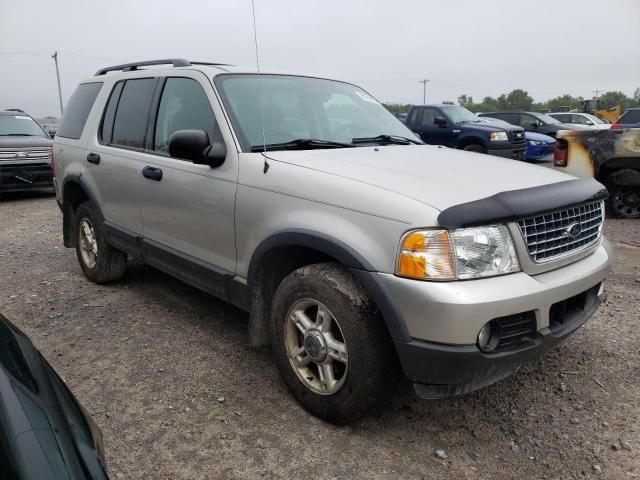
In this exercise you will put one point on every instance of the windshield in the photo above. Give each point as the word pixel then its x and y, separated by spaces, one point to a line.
pixel 19 125
pixel 459 114
pixel 546 119
pixel 296 108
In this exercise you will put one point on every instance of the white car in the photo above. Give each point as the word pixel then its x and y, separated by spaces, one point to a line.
pixel 583 119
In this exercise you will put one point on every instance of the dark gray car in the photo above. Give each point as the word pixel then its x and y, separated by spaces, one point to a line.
pixel 25 153
pixel 533 122
pixel 44 432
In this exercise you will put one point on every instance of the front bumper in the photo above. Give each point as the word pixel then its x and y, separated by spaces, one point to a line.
pixel 443 319
pixel 28 176
pixel 539 152
pixel 517 153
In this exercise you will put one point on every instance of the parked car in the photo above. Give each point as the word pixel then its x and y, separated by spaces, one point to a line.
pixel 456 127
pixel 533 122
pixel 360 253
pixel 25 150
pixel 629 119
pixel 612 157
pixel 44 432
pixel 539 147
pixel 582 119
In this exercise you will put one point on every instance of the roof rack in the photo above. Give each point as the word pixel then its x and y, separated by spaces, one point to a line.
pixel 128 67
pixel 14 110
pixel 176 62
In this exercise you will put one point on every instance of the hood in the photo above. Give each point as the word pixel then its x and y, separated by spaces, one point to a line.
pixel 539 137
pixel 25 142
pixel 436 176
pixel 491 126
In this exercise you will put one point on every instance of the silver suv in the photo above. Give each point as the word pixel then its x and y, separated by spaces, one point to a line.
pixel 361 254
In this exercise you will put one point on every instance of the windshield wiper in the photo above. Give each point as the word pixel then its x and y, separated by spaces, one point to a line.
pixel 300 144
pixel 386 139
pixel 18 135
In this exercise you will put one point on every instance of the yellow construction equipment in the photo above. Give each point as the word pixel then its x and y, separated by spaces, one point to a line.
pixel 593 107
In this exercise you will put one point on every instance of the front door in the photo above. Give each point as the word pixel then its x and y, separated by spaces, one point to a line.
pixel 187 209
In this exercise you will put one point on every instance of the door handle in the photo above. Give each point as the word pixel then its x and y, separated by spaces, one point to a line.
pixel 93 158
pixel 152 173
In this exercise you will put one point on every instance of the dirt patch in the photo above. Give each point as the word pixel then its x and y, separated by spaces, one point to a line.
pixel 166 372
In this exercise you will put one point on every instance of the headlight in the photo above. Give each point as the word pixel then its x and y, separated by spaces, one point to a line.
pixel 460 254
pixel 498 137
pixel 535 142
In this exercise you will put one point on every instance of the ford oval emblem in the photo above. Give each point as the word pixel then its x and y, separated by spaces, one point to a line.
pixel 573 230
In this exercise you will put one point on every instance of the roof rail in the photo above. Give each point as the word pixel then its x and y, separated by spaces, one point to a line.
pixel 14 110
pixel 128 67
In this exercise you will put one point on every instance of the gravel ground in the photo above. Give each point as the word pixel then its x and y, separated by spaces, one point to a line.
pixel 166 373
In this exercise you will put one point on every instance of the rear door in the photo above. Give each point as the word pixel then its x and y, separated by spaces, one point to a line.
pixel 187 209
pixel 113 154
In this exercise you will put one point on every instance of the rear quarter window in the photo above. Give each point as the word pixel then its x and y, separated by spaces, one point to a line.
pixel 631 116
pixel 77 110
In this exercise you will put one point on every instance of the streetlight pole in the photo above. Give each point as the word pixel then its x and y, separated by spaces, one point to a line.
pixel 55 59
pixel 424 89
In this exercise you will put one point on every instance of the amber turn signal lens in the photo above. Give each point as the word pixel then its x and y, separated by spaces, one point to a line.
pixel 427 255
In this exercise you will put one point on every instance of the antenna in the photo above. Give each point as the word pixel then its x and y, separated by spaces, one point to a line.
pixel 255 40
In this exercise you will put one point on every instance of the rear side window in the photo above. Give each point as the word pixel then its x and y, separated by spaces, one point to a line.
pixel 184 105
pixel 563 118
pixel 630 116
pixel 106 129
pixel 77 110
pixel 130 124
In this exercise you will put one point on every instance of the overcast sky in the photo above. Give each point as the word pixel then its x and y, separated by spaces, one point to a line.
pixel 464 46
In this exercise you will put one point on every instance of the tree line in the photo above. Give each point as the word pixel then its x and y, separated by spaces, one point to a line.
pixel 519 99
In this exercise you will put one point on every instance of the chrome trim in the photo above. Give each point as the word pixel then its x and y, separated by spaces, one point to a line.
pixel 548 232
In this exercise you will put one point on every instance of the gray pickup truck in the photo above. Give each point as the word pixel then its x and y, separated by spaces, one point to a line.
pixel 361 254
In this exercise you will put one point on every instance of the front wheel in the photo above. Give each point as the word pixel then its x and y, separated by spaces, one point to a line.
pixel 99 261
pixel 474 147
pixel 625 201
pixel 331 345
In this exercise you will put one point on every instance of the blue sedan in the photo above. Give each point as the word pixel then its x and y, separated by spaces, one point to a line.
pixel 539 146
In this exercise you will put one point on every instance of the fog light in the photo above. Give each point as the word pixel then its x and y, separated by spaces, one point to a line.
pixel 488 337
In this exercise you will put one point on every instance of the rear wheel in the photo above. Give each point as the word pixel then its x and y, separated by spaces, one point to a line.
pixel 330 344
pixel 625 201
pixel 99 261
pixel 474 147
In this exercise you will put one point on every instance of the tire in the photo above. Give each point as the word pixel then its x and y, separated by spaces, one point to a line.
pixel 474 147
pixel 367 372
pixel 108 263
pixel 624 201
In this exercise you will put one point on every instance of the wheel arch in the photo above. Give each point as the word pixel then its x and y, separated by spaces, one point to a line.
pixel 74 193
pixel 283 252
pixel 471 139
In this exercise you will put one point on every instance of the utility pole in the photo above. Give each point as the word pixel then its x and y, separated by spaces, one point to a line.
pixel 55 59
pixel 424 89
pixel 597 93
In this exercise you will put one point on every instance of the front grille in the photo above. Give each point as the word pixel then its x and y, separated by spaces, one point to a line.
pixel 22 154
pixel 558 234
pixel 516 136
pixel 515 330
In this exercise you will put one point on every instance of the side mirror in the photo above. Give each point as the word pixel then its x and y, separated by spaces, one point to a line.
pixel 534 124
pixel 588 122
pixel 194 145
pixel 440 121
